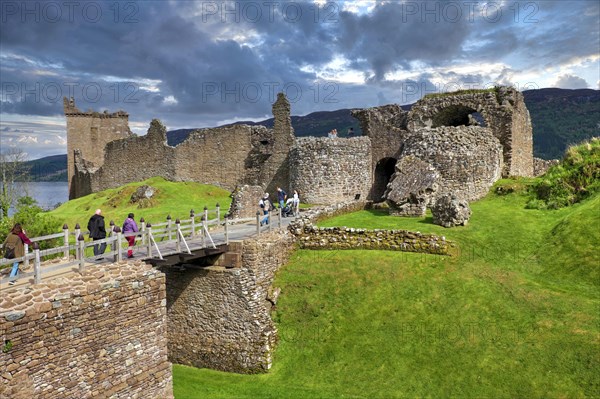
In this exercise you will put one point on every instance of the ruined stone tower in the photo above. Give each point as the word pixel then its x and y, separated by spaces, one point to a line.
pixel 89 132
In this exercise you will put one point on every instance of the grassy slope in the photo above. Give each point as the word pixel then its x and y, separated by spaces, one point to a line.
pixel 502 320
pixel 171 198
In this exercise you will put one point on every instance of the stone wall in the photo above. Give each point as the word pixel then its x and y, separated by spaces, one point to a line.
pixel 468 158
pixel 228 156
pixel 312 237
pixel 98 335
pixel 504 112
pixel 386 127
pixel 245 201
pixel 328 171
pixel 89 132
pixel 541 166
pixel 219 318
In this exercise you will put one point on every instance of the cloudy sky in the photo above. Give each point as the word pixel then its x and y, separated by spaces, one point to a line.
pixel 205 63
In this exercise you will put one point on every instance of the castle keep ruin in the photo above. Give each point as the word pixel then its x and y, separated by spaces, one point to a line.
pixel 470 139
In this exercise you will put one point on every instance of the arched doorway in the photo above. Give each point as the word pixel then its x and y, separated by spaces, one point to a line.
pixel 383 173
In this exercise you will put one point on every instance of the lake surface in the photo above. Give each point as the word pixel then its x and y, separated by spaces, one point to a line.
pixel 47 194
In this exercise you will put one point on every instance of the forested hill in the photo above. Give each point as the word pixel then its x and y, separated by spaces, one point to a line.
pixel 52 168
pixel 560 117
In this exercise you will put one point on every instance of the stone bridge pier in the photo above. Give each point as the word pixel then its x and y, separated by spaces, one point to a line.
pixel 219 316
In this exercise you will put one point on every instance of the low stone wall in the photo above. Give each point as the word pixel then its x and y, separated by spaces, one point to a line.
pixel 219 318
pixel 316 214
pixel 98 335
pixel 541 166
pixel 312 237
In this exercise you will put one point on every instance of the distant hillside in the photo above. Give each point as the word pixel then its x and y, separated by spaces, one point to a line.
pixel 560 117
pixel 51 168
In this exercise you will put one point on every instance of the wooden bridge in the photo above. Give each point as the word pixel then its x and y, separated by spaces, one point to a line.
pixel 196 241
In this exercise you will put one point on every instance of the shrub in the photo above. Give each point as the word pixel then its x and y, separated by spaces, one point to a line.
pixel 575 178
pixel 34 221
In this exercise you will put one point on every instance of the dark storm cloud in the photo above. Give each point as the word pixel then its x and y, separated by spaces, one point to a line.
pixel 198 63
pixel 390 37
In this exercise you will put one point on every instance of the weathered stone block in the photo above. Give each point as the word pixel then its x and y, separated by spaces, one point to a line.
pixel 450 211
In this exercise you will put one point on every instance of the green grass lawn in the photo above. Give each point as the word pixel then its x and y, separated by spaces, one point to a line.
pixel 172 198
pixel 515 315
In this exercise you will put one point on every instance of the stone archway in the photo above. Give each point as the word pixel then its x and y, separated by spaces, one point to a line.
pixel 504 112
pixel 384 169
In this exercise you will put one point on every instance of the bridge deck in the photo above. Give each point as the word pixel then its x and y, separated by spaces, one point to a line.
pixel 236 232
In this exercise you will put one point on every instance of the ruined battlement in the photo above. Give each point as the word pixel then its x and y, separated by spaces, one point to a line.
pixel 502 109
pixel 467 130
pixel 70 109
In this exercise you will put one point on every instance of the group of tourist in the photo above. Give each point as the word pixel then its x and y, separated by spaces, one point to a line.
pixel 334 133
pixel 14 244
pixel 288 206
pixel 97 230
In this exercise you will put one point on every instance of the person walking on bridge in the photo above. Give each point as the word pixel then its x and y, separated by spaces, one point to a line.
pixel 265 205
pixel 14 248
pixel 97 231
pixel 129 226
pixel 281 197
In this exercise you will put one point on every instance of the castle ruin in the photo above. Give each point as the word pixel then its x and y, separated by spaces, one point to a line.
pixel 470 138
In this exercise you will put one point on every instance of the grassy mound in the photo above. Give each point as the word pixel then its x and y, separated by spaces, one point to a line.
pixel 503 319
pixel 575 178
pixel 171 198
pixel 572 245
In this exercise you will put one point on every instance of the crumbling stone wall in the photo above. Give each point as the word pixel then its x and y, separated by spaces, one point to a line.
pixel 312 237
pixel 327 171
pixel 505 114
pixel 89 132
pixel 541 166
pixel 245 201
pixel 227 156
pixel 468 158
pixel 386 126
pixel 219 318
pixel 98 335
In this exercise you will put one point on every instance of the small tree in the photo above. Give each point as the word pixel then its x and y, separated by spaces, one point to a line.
pixel 12 169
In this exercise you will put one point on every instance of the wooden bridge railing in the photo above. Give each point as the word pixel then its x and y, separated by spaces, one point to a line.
pixel 176 232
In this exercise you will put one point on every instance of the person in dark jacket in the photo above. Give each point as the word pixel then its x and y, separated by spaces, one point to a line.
pixel 97 231
pixel 16 241
pixel 281 197
pixel 130 226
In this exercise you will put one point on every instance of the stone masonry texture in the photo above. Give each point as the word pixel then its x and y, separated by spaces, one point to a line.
pixel 328 171
pixel 226 157
pixel 323 171
pixel 504 112
pixel 219 317
pixel 468 158
pixel 89 132
pixel 100 335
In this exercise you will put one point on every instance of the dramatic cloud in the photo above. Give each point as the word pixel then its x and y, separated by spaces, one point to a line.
pixel 202 63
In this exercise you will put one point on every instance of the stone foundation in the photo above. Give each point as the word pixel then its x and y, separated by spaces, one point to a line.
pixel 312 237
pixel 98 335
pixel 219 318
